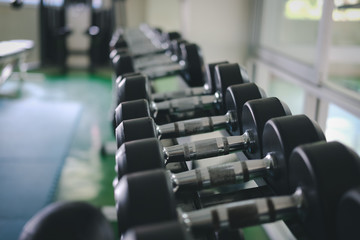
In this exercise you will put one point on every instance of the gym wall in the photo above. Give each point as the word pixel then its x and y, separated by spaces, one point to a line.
pixel 220 27
pixel 20 23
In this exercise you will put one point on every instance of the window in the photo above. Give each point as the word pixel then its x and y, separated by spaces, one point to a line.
pixel 344 51
pixel 343 126
pixel 288 92
pixel 291 28
pixel 312 50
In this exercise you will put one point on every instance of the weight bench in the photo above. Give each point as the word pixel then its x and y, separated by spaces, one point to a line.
pixel 12 57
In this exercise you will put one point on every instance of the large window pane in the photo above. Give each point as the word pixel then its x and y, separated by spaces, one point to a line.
pixel 343 126
pixel 291 28
pixel 344 56
pixel 291 94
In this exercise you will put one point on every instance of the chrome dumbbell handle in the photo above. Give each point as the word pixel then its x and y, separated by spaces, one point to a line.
pixel 195 126
pixel 195 91
pixel 223 174
pixel 185 104
pixel 208 148
pixel 243 213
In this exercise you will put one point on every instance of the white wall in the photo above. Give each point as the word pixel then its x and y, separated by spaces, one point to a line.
pixel 220 27
pixel 135 12
pixel 164 13
pixel 20 24
pixel 159 13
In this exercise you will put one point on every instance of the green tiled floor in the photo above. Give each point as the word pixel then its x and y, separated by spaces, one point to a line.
pixel 86 175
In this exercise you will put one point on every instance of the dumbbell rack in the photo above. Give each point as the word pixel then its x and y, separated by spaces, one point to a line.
pixel 209 197
pixel 205 198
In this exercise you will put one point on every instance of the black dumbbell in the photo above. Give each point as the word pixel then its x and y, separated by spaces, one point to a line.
pixel 128 129
pixel 255 114
pixel 208 88
pixel 117 46
pixel 155 45
pixel 122 63
pixel 319 175
pixel 152 41
pixel 121 54
pixel 68 220
pixel 274 162
pixel 139 108
pixel 137 87
pixel 190 67
pixel 348 213
pixel 118 41
pixel 147 41
pixel 171 56
pixel 168 45
pixel 137 114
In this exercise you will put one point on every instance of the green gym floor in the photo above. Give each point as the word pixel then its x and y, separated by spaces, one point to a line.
pixel 87 175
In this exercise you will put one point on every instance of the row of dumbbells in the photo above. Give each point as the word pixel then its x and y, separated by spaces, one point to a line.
pixel 156 54
pixel 308 175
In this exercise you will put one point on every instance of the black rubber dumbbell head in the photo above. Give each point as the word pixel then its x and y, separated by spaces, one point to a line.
pixel 132 110
pixel 227 75
pixel 115 55
pixel 117 35
pixel 68 220
pixel 126 75
pixel 121 43
pixel 155 201
pixel 194 72
pixel 158 30
pixel 324 171
pixel 280 136
pixel 348 215
pixel 235 98
pixel 170 36
pixel 133 88
pixel 123 63
pixel 161 231
pixel 129 159
pixel 255 114
pixel 210 75
pixel 118 43
pixel 129 130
